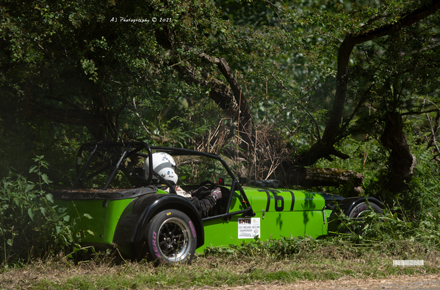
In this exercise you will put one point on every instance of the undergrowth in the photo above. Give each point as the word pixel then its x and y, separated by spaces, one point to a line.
pixel 412 216
pixel 31 226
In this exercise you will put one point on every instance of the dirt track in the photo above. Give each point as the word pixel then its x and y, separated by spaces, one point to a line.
pixel 396 282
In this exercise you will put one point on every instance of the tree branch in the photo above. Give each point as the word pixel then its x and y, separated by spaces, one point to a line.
pixel 333 128
pixel 419 113
pixel 344 53
pixel 243 107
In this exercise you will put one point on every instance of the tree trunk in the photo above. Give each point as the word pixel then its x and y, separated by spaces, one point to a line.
pixel 315 177
pixel 401 161
pixel 325 177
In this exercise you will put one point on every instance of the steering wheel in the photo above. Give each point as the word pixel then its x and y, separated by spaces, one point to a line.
pixel 211 184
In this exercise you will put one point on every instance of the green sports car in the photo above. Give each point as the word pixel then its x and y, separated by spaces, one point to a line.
pixel 116 202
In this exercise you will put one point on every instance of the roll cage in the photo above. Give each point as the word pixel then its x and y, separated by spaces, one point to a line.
pixel 113 157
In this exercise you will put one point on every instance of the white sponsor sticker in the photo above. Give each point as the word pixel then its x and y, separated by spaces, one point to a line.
pixel 248 228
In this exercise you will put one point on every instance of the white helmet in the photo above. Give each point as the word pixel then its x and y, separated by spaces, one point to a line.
pixel 164 165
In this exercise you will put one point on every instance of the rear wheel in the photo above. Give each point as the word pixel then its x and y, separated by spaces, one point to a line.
pixel 170 238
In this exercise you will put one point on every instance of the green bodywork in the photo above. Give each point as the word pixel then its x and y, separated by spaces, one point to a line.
pixel 278 212
pixel 94 220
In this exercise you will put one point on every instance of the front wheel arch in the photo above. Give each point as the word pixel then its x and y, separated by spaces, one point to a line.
pixel 191 213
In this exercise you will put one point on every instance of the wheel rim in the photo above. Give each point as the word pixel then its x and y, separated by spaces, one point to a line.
pixel 362 213
pixel 360 218
pixel 174 239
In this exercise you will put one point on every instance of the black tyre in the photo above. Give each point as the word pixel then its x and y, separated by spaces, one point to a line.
pixel 170 238
pixel 358 211
pixel 363 208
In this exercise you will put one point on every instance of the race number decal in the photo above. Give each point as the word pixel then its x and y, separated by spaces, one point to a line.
pixel 248 228
pixel 279 200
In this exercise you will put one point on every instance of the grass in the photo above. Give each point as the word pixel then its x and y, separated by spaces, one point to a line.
pixel 314 260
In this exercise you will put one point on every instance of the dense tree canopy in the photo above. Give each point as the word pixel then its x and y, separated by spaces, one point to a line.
pixel 275 84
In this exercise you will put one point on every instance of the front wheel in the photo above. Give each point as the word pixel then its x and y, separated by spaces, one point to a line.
pixel 170 238
pixel 358 212
pixel 362 208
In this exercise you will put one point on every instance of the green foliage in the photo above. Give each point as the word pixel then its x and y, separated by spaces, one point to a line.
pixel 423 197
pixel 420 202
pixel 367 157
pixel 73 63
pixel 30 225
pixel 389 227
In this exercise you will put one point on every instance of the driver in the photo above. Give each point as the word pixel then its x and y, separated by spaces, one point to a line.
pixel 202 198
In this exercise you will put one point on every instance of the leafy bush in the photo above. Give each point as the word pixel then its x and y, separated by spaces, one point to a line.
pixel 423 197
pixel 422 200
pixel 30 224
